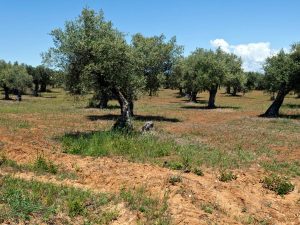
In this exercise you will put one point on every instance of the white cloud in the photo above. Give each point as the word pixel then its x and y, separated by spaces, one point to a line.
pixel 253 55
pixel 220 43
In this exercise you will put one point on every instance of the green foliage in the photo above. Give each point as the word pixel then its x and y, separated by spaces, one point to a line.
pixel 198 172
pixel 286 168
pixel 14 77
pixel 280 185
pixel 254 81
pixel 208 70
pixel 279 70
pixel 207 207
pixel 26 199
pixel 149 148
pixel 41 77
pixel 226 176
pixel 134 146
pixel 76 206
pixel 94 55
pixel 173 165
pixel 175 179
pixel 41 165
pixel 156 57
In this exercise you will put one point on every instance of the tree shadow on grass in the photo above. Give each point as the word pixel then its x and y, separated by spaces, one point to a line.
pixel 283 116
pixel 136 117
pixel 292 106
pixel 45 96
pixel 7 100
pixel 206 108
pixel 110 107
pixel 286 116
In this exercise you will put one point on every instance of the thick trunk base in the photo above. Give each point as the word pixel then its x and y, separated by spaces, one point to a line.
pixel 273 110
pixel 103 104
pixel 124 123
pixel 6 93
pixel 228 91
pixel 212 98
pixel 193 97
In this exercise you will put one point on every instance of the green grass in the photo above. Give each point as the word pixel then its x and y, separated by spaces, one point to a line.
pixel 227 176
pixel 154 211
pixel 40 166
pixel 151 148
pixel 285 168
pixel 14 124
pixel 22 200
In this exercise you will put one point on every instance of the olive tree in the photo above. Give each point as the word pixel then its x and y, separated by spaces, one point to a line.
pixel 14 77
pixel 156 57
pixel 193 73
pixel 254 81
pixel 95 55
pixel 176 79
pixel 41 77
pixel 282 75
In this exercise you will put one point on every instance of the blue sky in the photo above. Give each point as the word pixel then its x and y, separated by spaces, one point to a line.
pixel 252 29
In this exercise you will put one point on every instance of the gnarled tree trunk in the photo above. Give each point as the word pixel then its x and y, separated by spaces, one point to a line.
pixel 124 123
pixel 19 95
pixel 36 89
pixel 6 92
pixel 228 90
pixel 212 97
pixel 43 87
pixel 180 91
pixel 234 91
pixel 131 106
pixel 104 98
pixel 273 110
pixel 193 96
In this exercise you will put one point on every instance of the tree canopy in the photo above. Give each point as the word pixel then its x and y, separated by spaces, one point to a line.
pixel 14 77
pixel 95 56
pixel 282 75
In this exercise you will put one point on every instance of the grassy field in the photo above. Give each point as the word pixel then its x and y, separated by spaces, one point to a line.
pixel 55 147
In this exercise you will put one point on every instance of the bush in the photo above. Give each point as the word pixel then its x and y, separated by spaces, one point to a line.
pixel 280 185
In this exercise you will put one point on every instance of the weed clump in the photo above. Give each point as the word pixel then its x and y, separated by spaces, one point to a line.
pixel 198 172
pixel 175 179
pixel 42 165
pixel 227 176
pixel 280 185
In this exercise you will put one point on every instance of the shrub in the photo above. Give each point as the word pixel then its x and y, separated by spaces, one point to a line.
pixel 280 185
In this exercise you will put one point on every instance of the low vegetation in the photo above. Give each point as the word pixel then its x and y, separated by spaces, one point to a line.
pixel 227 176
pixel 175 179
pixel 44 202
pixel 280 185
pixel 151 148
